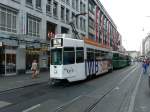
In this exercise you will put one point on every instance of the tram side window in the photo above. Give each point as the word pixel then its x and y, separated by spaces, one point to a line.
pixel 69 55
pixel 98 55
pixel 90 54
pixel 116 56
pixel 79 55
pixel 104 55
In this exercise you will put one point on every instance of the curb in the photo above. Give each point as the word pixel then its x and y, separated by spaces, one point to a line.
pixel 24 86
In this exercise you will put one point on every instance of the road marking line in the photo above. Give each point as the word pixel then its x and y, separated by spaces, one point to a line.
pixel 116 88
pixel 21 81
pixel 132 101
pixel 123 72
pixel 4 103
pixel 143 108
pixel 60 107
pixel 127 76
pixel 32 108
pixel 69 102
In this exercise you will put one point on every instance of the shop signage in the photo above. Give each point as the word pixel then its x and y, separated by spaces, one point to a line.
pixel 44 48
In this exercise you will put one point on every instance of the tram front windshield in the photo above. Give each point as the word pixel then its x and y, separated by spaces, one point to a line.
pixel 56 56
pixel 64 56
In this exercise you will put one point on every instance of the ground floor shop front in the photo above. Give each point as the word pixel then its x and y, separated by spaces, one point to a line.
pixel 7 60
pixel 15 61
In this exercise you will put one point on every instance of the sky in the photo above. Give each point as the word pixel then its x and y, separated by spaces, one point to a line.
pixel 132 18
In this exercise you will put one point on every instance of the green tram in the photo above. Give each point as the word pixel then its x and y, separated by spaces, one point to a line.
pixel 119 60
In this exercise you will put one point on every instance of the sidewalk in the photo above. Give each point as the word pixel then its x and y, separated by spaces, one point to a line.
pixel 12 82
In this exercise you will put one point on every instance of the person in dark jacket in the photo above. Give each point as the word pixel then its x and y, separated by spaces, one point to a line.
pixel 145 66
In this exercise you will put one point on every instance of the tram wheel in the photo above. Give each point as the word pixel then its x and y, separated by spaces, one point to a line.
pixel 51 82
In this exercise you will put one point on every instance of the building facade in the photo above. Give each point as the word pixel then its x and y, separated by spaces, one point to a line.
pixel 101 27
pixel 26 27
pixel 143 47
pixel 146 46
pixel 134 54
pixel 26 24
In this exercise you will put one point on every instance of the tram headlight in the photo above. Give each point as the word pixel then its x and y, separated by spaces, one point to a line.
pixel 55 71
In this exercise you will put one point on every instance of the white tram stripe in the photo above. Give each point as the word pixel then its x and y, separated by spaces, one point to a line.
pixel 31 108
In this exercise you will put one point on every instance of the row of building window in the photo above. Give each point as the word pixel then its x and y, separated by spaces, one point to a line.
pixel 106 30
pixel 65 14
pixel 30 2
pixel 91 7
pixel 33 27
pixel 83 24
pixel 8 20
pixel 75 4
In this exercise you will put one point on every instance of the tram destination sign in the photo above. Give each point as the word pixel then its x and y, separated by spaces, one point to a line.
pixel 57 42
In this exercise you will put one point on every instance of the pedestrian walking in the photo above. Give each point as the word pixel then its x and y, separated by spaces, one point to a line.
pixel 34 69
pixel 145 66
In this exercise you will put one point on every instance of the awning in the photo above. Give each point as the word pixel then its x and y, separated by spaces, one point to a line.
pixel 8 40
pixel 22 41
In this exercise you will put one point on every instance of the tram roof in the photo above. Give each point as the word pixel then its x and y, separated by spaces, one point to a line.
pixel 118 52
pixel 69 40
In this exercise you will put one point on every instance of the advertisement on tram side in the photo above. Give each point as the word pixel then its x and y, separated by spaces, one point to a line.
pixel 96 67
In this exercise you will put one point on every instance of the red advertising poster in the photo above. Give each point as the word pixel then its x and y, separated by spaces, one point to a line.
pixel 102 25
pixel 97 14
pixel 107 33
pixel 108 40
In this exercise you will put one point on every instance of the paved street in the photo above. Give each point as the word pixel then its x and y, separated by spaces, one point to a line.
pixel 124 90
pixel 143 96
pixel 14 82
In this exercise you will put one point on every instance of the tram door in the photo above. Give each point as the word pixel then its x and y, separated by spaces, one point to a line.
pixel 2 61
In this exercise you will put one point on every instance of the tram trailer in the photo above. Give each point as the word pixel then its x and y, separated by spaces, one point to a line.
pixel 119 60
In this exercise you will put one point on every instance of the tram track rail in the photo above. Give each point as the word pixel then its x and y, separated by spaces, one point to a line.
pixel 46 95
pixel 63 108
pixel 22 87
pixel 110 91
